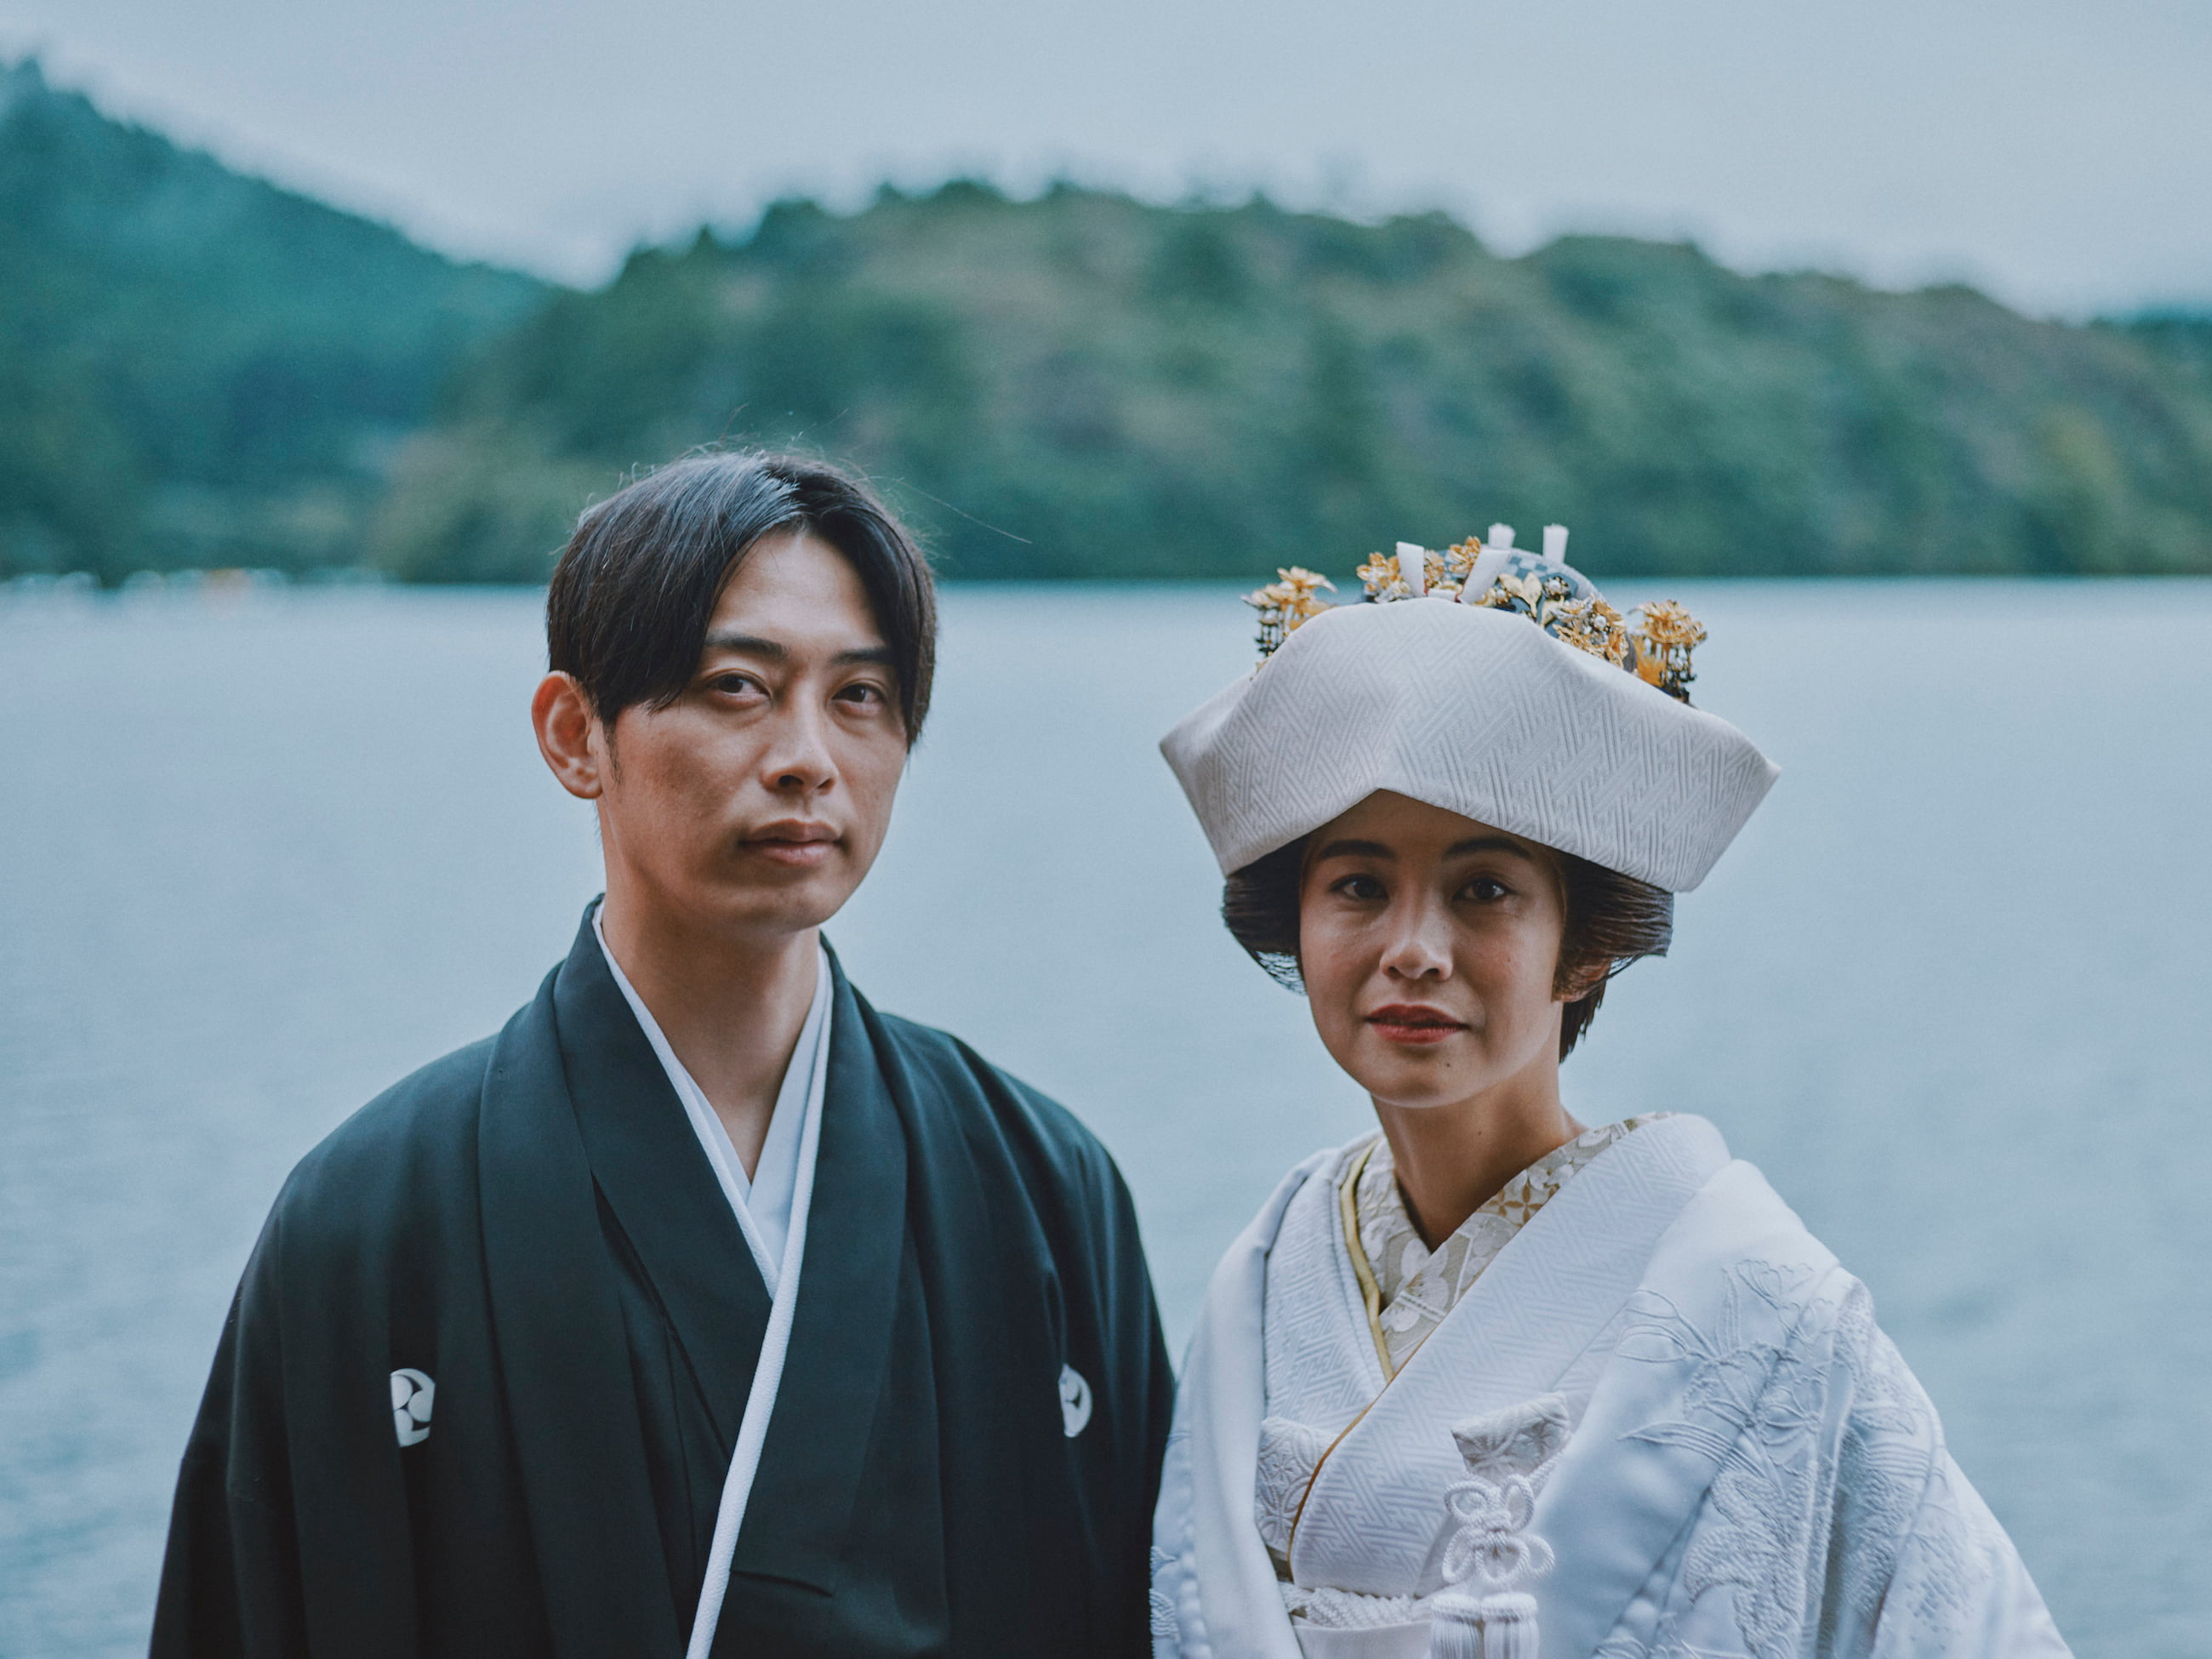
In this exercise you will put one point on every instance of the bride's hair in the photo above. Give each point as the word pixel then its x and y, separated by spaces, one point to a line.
pixel 1612 919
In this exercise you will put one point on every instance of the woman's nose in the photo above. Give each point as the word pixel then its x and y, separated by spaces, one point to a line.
pixel 1420 945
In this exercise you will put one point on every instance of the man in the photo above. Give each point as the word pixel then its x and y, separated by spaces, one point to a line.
pixel 703 1307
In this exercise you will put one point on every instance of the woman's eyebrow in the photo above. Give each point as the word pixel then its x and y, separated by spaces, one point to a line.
pixel 1355 849
pixel 1489 844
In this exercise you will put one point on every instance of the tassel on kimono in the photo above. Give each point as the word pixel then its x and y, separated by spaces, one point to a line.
pixel 1455 1630
pixel 1502 1627
pixel 1509 1455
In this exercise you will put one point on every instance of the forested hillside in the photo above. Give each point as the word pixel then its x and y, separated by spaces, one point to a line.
pixel 199 369
pixel 1082 384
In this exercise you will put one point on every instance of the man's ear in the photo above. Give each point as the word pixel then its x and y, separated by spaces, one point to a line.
pixel 569 735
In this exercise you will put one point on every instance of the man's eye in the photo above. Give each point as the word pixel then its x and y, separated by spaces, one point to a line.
pixel 732 684
pixel 863 694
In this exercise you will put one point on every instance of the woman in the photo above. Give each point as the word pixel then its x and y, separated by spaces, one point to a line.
pixel 1491 1382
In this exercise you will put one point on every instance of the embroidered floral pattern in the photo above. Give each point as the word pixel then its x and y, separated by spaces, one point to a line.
pixel 1162 1608
pixel 1826 1537
pixel 1416 1287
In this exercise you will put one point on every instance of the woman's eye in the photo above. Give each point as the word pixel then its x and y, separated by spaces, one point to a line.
pixel 1363 888
pixel 1486 889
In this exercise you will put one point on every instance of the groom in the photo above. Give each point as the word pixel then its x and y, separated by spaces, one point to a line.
pixel 703 1304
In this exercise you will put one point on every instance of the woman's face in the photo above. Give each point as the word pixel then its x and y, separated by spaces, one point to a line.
pixel 1428 944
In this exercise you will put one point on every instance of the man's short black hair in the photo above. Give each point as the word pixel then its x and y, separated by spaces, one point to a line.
pixel 1612 919
pixel 627 610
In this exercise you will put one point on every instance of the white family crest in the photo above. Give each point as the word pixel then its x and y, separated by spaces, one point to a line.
pixel 1074 1401
pixel 412 1392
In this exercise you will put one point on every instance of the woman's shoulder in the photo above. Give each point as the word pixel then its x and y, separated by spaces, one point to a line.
pixel 1738 1258
pixel 1324 1169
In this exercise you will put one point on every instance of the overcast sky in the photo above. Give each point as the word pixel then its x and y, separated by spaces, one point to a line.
pixel 2057 152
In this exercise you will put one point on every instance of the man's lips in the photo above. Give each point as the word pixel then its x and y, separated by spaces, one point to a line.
pixel 1413 1022
pixel 796 843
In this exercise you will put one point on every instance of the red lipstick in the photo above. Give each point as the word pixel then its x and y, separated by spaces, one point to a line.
pixel 1414 1023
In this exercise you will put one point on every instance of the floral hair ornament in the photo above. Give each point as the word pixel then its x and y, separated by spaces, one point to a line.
pixel 1285 605
pixel 1653 642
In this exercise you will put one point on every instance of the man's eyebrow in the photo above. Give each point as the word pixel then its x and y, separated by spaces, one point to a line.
pixel 752 644
pixel 749 645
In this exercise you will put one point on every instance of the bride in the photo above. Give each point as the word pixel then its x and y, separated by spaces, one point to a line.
pixel 1491 1382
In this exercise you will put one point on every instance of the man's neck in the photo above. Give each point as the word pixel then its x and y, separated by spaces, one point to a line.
pixel 731 1010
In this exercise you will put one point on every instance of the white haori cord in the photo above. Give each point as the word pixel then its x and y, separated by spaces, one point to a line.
pixel 768 1374
pixel 1486 1615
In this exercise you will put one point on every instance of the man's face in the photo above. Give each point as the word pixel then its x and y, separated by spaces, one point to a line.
pixel 755 803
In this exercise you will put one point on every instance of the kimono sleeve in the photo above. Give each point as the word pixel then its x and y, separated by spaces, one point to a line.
pixel 1921 1569
pixel 1960 1586
pixel 291 1531
pixel 1142 1383
pixel 230 1579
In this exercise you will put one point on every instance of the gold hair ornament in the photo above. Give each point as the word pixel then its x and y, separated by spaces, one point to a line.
pixel 1653 642
pixel 1286 605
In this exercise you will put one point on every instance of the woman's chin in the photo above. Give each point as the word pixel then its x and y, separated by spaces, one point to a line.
pixel 1415 1082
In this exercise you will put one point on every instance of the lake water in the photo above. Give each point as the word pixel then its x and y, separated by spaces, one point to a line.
pixel 262 853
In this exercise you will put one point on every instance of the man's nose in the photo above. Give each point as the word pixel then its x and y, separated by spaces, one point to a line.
pixel 798 760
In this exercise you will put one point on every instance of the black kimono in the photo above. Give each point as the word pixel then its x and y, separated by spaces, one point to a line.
pixel 529 1229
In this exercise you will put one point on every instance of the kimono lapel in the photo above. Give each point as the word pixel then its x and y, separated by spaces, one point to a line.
pixel 649 1167
pixel 572 1406
pixel 1373 1514
pixel 657 1181
pixel 812 1461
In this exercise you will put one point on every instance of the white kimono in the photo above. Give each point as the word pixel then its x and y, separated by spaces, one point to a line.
pixel 1741 1462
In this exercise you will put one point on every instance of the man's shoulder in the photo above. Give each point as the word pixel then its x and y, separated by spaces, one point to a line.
pixel 397 1160
pixel 1050 1137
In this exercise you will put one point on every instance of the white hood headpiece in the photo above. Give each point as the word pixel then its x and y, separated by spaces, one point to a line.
pixel 1489 681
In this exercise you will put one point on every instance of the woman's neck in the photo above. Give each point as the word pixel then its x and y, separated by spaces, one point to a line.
pixel 1453 1159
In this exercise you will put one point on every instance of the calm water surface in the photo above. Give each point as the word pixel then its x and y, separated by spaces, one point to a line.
pixel 259 856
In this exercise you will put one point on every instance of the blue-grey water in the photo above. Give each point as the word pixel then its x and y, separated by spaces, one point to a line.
pixel 261 854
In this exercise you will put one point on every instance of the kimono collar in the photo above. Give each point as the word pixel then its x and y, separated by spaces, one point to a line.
pixel 761 1202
